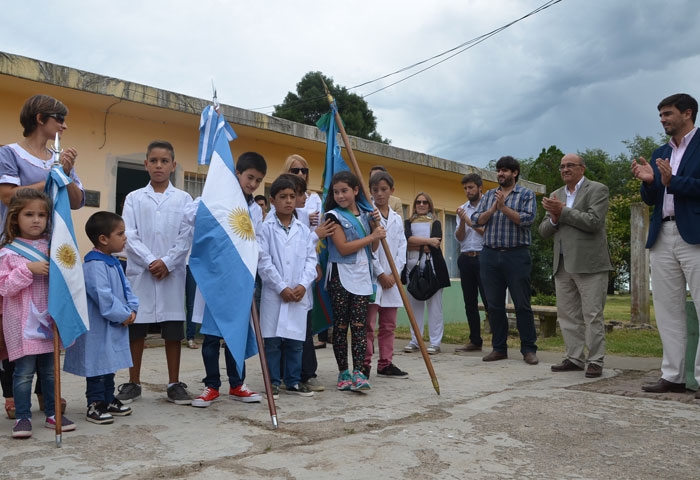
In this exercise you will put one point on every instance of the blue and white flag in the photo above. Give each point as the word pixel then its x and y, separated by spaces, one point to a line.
pixel 224 250
pixel 67 299
pixel 211 125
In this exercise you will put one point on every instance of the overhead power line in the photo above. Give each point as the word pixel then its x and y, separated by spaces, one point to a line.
pixel 447 54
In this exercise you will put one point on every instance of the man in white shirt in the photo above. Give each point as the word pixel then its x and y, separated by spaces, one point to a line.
pixel 471 242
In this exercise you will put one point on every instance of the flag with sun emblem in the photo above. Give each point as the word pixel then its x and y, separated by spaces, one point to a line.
pixel 67 299
pixel 224 250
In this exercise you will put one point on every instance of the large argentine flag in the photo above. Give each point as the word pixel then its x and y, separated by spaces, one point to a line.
pixel 224 250
pixel 67 300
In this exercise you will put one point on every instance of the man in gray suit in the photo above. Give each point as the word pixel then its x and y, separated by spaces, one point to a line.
pixel 576 218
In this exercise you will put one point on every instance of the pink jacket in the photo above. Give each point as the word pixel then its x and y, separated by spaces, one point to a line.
pixel 21 290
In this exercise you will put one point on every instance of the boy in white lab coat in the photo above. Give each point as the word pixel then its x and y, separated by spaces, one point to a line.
pixel 287 267
pixel 157 245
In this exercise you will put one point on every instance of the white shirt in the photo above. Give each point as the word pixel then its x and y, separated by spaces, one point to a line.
pixel 396 239
pixel 473 240
pixel 677 152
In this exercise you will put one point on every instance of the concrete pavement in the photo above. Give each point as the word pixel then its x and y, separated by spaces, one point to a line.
pixel 497 420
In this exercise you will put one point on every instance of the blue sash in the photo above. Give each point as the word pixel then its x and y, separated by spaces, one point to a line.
pixel 96 255
pixel 361 232
pixel 27 251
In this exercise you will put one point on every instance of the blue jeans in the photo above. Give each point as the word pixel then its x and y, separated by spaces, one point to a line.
pixel 25 368
pixel 190 289
pixel 275 348
pixel 100 389
pixel 210 354
pixel 510 269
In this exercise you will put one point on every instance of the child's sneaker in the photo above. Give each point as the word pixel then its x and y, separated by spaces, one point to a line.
pixel 359 381
pixel 118 409
pixel 243 394
pixel 392 371
pixel 97 413
pixel 177 394
pixel 410 348
pixel 300 389
pixel 66 424
pixel 22 428
pixel 204 400
pixel 275 392
pixel 344 380
pixel 128 392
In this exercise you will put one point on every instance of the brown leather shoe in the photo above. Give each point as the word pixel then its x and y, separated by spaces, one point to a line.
pixel 494 355
pixel 531 358
pixel 664 386
pixel 697 395
pixel 566 366
pixel 469 347
pixel 593 370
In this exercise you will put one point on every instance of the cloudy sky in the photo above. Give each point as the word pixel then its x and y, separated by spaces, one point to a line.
pixel 580 74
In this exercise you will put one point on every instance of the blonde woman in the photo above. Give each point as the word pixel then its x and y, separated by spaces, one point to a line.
pixel 297 165
pixel 424 231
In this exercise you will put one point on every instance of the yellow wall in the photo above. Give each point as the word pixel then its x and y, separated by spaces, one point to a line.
pixel 107 129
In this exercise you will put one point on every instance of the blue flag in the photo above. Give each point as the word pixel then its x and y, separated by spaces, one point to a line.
pixel 322 313
pixel 67 299
pixel 224 250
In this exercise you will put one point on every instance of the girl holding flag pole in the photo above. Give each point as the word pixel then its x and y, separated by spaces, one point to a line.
pixel 349 277
pixel 24 285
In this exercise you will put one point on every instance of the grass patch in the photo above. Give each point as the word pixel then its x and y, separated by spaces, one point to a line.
pixel 628 342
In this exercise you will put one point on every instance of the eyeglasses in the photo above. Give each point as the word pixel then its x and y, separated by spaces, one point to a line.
pixel 422 202
pixel 297 171
pixel 58 117
pixel 564 166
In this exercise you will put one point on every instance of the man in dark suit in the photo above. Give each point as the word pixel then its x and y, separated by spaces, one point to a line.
pixel 576 219
pixel 671 183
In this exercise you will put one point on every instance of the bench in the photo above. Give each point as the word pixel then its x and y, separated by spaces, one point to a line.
pixel 545 315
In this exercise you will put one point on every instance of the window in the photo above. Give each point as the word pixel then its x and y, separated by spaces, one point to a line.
pixel 451 250
pixel 194 183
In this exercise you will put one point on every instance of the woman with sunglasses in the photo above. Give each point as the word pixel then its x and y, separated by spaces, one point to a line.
pixel 27 164
pixel 297 165
pixel 424 231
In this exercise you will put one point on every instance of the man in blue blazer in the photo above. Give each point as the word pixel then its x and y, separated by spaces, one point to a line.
pixel 671 183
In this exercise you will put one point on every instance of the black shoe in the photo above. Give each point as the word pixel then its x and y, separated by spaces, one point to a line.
pixel 392 371
pixel 118 409
pixel 664 386
pixel 97 413
pixel 566 366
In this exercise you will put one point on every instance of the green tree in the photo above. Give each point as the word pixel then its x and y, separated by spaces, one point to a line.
pixel 309 103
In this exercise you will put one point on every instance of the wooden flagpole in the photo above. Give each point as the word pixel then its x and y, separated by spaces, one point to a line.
pixel 385 246
pixel 57 384
pixel 263 365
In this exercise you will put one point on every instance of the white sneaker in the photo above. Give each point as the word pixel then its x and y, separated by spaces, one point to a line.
pixel 432 350
pixel 410 348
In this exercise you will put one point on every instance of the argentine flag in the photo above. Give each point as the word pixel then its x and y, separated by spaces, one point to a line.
pixel 67 299
pixel 224 250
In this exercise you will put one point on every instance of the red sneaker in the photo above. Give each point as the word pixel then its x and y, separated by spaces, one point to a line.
pixel 205 399
pixel 243 394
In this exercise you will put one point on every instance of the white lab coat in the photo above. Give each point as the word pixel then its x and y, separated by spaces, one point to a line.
pixel 396 239
pixel 285 260
pixel 155 230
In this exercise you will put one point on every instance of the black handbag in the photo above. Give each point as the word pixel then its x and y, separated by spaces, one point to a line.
pixel 422 283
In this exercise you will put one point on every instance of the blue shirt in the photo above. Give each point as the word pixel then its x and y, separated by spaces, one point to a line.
pixel 500 231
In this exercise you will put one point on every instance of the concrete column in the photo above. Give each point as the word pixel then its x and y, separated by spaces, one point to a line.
pixel 639 263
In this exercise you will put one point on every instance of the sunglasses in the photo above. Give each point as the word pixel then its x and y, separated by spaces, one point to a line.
pixel 297 171
pixel 422 202
pixel 58 117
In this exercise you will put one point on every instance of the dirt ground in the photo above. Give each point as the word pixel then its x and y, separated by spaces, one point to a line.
pixel 499 420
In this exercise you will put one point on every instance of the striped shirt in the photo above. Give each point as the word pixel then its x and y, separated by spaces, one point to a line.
pixel 500 232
